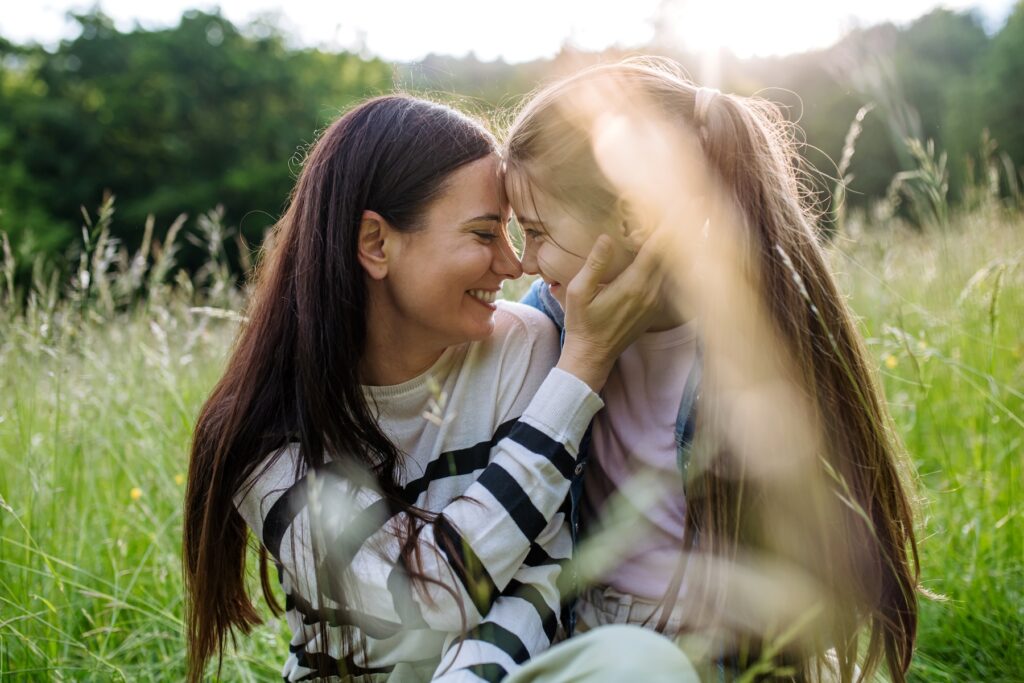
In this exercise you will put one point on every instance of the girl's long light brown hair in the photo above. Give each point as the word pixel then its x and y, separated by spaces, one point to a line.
pixel 799 525
pixel 293 375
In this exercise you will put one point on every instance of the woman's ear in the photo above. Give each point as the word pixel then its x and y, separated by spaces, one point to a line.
pixel 374 237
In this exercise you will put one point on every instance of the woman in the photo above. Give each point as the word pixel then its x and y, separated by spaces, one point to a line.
pixel 396 440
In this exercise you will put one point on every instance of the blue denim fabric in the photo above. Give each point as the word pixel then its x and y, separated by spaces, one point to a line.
pixel 540 297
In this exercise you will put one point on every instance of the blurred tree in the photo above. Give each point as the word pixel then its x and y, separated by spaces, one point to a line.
pixel 916 76
pixel 1000 99
pixel 937 60
pixel 176 120
pixel 27 110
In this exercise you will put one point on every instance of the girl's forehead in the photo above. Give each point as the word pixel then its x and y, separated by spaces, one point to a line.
pixel 531 200
pixel 519 189
pixel 542 203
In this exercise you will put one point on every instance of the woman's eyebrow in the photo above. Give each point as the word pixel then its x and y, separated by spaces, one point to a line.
pixel 485 218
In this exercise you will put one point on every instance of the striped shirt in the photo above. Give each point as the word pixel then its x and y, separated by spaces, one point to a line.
pixel 491 433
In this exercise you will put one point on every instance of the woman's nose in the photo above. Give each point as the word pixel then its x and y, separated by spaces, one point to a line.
pixel 506 262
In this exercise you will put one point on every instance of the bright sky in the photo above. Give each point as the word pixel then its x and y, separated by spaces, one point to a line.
pixel 517 31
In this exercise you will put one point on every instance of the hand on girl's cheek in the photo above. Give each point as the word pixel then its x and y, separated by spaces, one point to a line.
pixel 622 256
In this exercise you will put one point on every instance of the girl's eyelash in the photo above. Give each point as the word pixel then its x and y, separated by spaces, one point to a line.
pixel 483 234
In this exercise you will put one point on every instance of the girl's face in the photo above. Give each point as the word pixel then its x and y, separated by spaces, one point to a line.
pixel 557 242
pixel 444 277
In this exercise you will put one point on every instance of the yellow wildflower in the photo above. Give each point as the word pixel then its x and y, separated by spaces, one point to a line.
pixel 890 361
pixel 135 493
pixel 179 479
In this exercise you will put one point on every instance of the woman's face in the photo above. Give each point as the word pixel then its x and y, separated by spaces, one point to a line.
pixel 444 278
pixel 557 242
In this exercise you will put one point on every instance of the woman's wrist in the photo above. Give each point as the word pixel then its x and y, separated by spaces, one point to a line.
pixel 588 366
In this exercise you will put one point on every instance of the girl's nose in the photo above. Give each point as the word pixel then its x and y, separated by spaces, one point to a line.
pixel 529 261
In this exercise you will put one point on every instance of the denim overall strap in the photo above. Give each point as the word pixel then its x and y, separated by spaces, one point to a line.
pixel 539 296
pixel 686 418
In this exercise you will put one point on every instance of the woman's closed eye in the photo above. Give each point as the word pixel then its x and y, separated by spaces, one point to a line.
pixel 487 236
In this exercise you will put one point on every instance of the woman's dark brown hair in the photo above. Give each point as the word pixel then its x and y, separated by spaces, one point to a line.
pixel 832 508
pixel 293 375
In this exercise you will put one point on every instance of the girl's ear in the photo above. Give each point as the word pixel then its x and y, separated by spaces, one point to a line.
pixel 375 237
pixel 631 228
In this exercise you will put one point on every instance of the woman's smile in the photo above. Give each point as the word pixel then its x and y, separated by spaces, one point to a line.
pixel 485 296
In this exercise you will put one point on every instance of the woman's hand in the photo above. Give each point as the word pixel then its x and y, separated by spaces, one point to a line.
pixel 601 320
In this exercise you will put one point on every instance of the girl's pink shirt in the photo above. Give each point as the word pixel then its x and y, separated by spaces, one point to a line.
pixel 636 433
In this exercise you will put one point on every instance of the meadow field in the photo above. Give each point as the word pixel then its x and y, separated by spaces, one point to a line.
pixel 103 374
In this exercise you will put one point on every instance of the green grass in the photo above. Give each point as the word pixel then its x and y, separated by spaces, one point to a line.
pixel 944 314
pixel 98 396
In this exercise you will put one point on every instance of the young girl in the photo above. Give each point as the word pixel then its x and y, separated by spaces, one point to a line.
pixel 397 442
pixel 784 530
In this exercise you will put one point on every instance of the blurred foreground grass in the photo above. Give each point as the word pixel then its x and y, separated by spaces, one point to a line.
pixel 98 397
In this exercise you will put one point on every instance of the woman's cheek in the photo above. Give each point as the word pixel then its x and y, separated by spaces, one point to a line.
pixel 480 256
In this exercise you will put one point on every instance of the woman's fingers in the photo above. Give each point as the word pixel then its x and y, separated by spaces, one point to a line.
pixel 654 254
pixel 585 283
pixel 641 282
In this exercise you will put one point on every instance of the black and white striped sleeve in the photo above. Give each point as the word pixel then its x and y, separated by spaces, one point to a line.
pixel 469 555
pixel 523 621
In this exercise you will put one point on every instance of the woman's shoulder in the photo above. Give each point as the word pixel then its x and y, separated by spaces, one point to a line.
pixel 523 341
pixel 506 369
pixel 519 321
pixel 275 475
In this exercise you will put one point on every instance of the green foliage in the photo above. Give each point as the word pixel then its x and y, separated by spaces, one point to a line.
pixel 942 312
pixel 172 121
pixel 1001 99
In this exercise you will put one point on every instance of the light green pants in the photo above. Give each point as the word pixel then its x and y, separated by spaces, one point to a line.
pixel 610 654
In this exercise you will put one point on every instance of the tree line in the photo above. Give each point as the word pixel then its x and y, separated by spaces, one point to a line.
pixel 207 113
